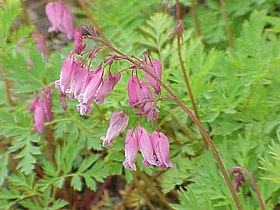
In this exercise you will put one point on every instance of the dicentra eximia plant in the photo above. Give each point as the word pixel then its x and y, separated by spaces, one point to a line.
pixel 88 87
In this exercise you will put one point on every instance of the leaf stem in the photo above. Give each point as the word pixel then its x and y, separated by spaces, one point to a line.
pixel 228 31
pixel 195 17
pixel 179 25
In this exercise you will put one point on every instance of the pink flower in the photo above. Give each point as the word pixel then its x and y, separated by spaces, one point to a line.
pixel 78 41
pixel 145 146
pixel 155 68
pixel 140 97
pixel 131 148
pixel 118 123
pixel 77 80
pixel 41 106
pixel 66 73
pixel 161 147
pixel 148 107
pixel 48 106
pixel 91 84
pixel 39 117
pixel 60 18
pixel 106 87
pixel 132 87
pixel 33 104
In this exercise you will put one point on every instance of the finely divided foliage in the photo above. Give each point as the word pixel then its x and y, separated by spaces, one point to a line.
pixel 92 125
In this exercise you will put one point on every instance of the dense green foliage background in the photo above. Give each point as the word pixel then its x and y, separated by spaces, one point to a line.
pixel 236 90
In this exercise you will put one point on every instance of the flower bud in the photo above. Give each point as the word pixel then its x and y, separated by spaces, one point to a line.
pixel 78 41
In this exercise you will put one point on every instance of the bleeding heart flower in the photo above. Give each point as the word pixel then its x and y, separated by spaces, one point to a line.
pixel 60 18
pixel 155 68
pixel 145 146
pixel 161 147
pixel 106 87
pixel 131 148
pixel 118 123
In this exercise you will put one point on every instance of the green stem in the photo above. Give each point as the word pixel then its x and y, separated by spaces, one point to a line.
pixel 181 61
pixel 195 17
pixel 228 31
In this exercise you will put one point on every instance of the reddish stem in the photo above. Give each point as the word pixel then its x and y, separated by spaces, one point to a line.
pixel 254 184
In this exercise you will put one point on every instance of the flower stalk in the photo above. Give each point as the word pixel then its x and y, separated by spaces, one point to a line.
pixel 186 110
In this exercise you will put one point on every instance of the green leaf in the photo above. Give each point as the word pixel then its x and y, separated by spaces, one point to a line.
pixel 59 204
pixel 76 183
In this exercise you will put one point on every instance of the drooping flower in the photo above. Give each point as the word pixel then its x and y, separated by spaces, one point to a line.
pixel 60 18
pixel 91 83
pixel 39 117
pixel 41 107
pixel 48 106
pixel 161 147
pixel 34 103
pixel 145 146
pixel 118 123
pixel 133 85
pixel 148 107
pixel 77 80
pixel 140 97
pixel 66 73
pixel 131 148
pixel 155 68
pixel 106 87
pixel 78 41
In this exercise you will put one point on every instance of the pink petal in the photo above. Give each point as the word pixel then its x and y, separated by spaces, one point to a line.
pixel 118 123
pixel 155 68
pixel 145 146
pixel 131 148
pixel 106 87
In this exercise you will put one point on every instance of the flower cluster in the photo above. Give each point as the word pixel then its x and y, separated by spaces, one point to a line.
pixel 82 84
pixel 239 180
pixel 60 18
pixel 87 87
pixel 41 107
pixel 154 148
